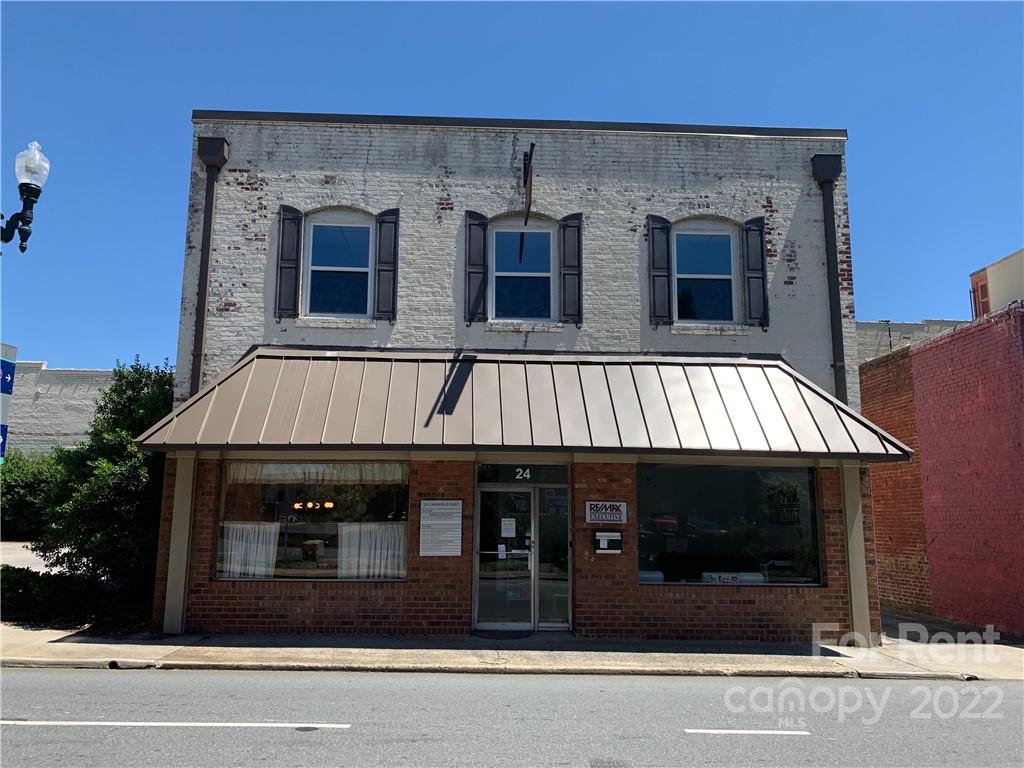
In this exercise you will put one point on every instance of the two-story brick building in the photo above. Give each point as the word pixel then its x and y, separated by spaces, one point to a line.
pixel 441 374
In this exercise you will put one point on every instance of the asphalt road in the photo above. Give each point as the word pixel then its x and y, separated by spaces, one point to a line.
pixel 105 718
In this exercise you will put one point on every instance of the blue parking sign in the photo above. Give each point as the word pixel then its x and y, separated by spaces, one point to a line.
pixel 8 355
pixel 6 376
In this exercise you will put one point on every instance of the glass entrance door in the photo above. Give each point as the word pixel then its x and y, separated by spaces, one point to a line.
pixel 505 560
pixel 523 558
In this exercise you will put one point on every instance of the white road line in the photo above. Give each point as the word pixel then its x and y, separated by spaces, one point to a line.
pixel 746 732
pixel 159 724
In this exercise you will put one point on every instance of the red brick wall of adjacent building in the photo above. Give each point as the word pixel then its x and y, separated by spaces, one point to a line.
pixel 435 597
pixel 887 399
pixel 951 522
pixel 969 390
pixel 610 601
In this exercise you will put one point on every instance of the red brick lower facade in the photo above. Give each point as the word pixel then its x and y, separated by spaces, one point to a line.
pixel 436 597
pixel 610 601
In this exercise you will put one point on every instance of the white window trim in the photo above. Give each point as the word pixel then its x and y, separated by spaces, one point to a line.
pixel 492 272
pixel 705 227
pixel 334 219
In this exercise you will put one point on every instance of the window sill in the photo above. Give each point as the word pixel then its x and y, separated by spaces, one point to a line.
pixel 523 326
pixel 711 585
pixel 320 579
pixel 337 323
pixel 710 329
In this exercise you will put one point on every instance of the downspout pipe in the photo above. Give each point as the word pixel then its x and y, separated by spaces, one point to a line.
pixel 826 169
pixel 213 153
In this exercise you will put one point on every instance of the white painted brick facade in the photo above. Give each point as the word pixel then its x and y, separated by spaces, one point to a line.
pixel 433 174
pixel 53 406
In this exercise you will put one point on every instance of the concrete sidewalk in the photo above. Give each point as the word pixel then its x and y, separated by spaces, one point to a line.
pixel 540 653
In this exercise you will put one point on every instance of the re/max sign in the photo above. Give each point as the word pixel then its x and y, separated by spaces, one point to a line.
pixel 606 512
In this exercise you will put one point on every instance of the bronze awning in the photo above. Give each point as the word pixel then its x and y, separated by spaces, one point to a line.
pixel 308 399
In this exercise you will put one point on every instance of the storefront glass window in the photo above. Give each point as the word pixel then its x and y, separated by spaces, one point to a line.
pixel 320 521
pixel 727 525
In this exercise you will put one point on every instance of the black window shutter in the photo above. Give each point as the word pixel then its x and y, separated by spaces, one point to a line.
pixel 476 267
pixel 659 232
pixel 570 241
pixel 385 305
pixel 289 261
pixel 755 275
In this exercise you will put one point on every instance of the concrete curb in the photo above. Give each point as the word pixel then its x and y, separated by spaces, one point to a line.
pixel 40 663
pixel 914 675
pixel 515 669
pixel 512 669
pixel 507 669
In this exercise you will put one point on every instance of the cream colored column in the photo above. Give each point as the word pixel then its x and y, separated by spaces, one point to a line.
pixel 856 558
pixel 181 527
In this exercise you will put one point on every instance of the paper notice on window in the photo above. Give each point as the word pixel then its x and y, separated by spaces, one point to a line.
pixel 502 552
pixel 508 527
pixel 441 527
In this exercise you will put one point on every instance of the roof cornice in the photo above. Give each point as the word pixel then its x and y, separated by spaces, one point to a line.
pixel 517 124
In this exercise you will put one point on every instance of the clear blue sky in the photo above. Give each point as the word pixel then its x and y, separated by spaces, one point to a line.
pixel 931 93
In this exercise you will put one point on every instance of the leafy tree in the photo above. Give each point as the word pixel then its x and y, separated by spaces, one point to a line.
pixel 104 527
pixel 25 494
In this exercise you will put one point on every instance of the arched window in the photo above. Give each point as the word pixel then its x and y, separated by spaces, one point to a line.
pixel 705 272
pixel 338 274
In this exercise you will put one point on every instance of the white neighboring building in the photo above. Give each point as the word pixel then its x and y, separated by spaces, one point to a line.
pixel 995 287
pixel 880 337
pixel 53 406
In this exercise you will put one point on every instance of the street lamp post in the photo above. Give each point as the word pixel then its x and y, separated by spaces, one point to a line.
pixel 31 167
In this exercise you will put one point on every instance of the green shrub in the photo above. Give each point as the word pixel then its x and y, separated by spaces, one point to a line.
pixel 53 599
pixel 103 519
pixel 107 528
pixel 26 488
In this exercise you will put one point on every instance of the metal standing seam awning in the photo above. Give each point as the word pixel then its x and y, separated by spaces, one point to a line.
pixel 312 399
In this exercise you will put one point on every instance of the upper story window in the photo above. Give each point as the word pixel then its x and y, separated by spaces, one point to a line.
pixel 530 272
pixel 522 285
pixel 705 271
pixel 705 264
pixel 339 273
pixel 337 263
pixel 979 295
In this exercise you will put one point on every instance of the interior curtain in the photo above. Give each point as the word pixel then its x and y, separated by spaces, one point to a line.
pixel 339 472
pixel 371 550
pixel 250 549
